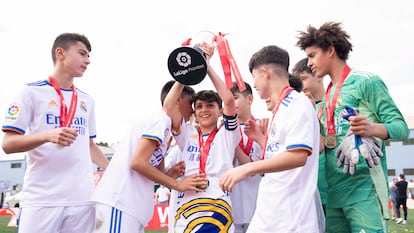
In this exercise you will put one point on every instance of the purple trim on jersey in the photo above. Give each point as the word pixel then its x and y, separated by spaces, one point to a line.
pixel 300 147
pixel 151 137
pixel 92 136
pixel 12 128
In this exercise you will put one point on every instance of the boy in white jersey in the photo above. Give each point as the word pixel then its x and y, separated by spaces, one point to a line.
pixel 286 200
pixel 244 195
pixel 55 123
pixel 208 150
pixel 125 193
pixel 315 91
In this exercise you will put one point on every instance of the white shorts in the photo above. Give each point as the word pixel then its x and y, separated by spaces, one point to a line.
pixel 57 219
pixel 111 220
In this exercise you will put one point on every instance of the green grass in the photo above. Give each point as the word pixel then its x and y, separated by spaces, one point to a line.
pixel 392 226
pixel 5 229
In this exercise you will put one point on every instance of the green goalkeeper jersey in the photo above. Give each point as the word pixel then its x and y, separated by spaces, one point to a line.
pixel 367 93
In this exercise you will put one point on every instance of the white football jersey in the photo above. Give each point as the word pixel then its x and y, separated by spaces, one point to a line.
pixel 125 189
pixel 244 194
pixel 210 209
pixel 287 200
pixel 55 175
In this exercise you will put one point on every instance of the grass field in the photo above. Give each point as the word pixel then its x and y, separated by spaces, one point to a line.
pixel 392 226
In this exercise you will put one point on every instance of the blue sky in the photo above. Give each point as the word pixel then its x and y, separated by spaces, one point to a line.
pixel 131 41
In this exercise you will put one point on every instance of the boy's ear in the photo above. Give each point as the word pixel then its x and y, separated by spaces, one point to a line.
pixel 331 51
pixel 59 52
pixel 250 98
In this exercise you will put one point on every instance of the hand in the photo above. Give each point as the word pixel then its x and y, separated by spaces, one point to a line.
pixel 207 49
pixel 254 130
pixel 370 149
pixel 360 125
pixel 177 170
pixel 348 152
pixel 63 136
pixel 263 125
pixel 345 151
pixel 232 177
pixel 191 183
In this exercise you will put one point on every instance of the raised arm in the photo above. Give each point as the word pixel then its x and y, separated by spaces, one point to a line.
pixel 170 105
pixel 229 108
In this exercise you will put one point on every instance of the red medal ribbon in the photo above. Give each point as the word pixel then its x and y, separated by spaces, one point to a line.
pixel 246 149
pixel 205 148
pixel 285 92
pixel 228 63
pixel 330 108
pixel 66 118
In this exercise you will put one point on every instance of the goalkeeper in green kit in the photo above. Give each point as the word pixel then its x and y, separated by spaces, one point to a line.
pixel 355 167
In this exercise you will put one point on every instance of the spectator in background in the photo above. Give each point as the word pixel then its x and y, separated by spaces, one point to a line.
pixel 162 195
pixel 401 199
pixel 393 194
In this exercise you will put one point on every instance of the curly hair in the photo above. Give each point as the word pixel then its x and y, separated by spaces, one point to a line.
pixel 329 34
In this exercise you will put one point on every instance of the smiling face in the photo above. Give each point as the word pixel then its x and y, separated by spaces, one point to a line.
pixel 207 113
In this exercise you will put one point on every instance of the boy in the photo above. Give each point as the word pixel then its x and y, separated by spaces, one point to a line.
pixel 315 91
pixel 244 195
pixel 357 202
pixel 207 149
pixel 286 199
pixel 124 196
pixel 312 86
pixel 55 123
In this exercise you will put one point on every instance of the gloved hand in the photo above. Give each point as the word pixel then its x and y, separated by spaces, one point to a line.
pixel 348 151
pixel 347 154
pixel 370 149
pixel 350 148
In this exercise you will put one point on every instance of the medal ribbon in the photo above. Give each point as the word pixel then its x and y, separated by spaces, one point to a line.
pixel 205 148
pixel 246 149
pixel 285 92
pixel 330 108
pixel 227 61
pixel 66 118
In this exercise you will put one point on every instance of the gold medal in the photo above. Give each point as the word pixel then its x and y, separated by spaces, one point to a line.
pixel 330 141
pixel 203 186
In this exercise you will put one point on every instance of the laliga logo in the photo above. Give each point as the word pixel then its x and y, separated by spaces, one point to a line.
pixel 13 110
pixel 183 59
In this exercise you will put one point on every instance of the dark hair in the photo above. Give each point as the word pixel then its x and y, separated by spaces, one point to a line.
pixel 402 176
pixel 301 66
pixel 208 96
pixel 65 40
pixel 295 82
pixel 329 34
pixel 167 87
pixel 270 55
pixel 246 92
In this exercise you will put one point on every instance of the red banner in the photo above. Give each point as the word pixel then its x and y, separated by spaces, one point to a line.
pixel 159 219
